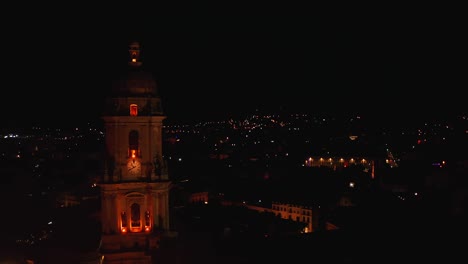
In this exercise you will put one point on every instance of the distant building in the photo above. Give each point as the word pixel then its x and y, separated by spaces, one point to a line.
pixel 342 162
pixel 296 213
pixel 293 212
pixel 205 197
pixel 67 199
pixel 199 197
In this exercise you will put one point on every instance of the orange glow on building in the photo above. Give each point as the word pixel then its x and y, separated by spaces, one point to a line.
pixel 341 162
pixel 133 153
pixel 147 221
pixel 133 110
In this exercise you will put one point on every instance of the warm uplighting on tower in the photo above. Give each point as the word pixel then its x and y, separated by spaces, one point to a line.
pixel 123 222
pixel 147 221
pixel 133 153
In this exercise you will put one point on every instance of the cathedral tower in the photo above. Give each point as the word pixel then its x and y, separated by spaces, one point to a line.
pixel 135 186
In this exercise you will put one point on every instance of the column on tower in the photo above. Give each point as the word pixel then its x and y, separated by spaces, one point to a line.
pixel 119 207
pixel 166 210
pixel 113 224
pixel 156 208
pixel 149 210
pixel 105 213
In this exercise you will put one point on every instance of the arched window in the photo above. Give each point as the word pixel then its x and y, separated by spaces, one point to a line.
pixel 133 144
pixel 135 218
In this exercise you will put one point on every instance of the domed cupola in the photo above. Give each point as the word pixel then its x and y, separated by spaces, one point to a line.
pixel 135 83
pixel 135 86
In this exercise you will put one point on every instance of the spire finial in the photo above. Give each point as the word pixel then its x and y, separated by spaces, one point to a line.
pixel 134 51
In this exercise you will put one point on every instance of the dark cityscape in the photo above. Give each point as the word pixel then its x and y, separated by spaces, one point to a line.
pixel 250 140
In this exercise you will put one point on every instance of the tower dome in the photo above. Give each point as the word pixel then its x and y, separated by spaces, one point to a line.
pixel 136 82
pixel 135 87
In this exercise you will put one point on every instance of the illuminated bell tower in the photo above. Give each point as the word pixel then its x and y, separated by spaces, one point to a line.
pixel 135 186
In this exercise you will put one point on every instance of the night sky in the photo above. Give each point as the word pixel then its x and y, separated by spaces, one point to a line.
pixel 389 61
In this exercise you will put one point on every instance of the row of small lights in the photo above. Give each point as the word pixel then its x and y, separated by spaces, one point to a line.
pixel 308 161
